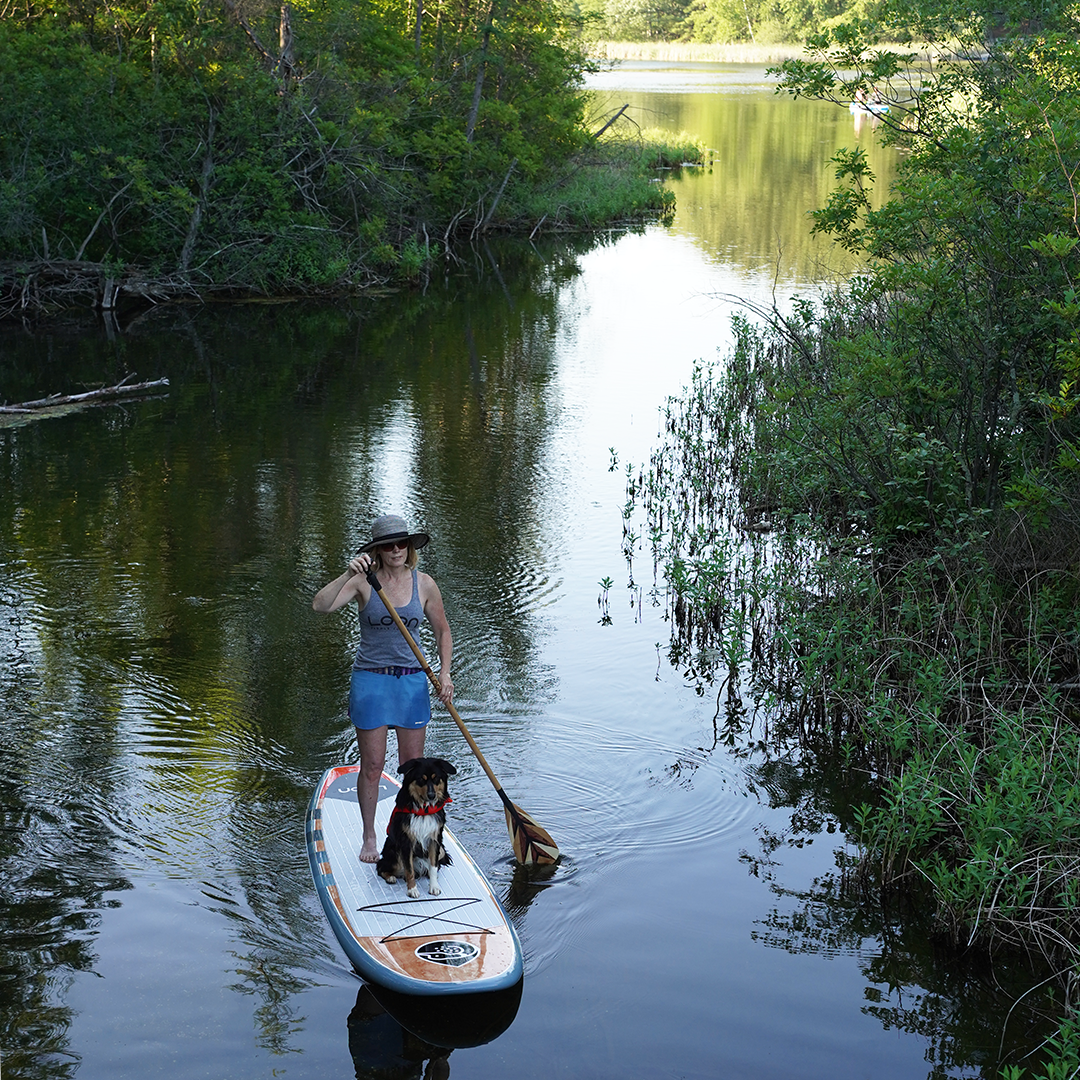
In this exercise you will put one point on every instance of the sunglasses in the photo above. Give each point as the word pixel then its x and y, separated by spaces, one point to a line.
pixel 393 544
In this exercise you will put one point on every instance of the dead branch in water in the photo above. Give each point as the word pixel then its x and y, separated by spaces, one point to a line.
pixel 90 397
pixel 35 285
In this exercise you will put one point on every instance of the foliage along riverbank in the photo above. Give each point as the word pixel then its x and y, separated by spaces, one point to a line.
pixel 869 518
pixel 151 151
pixel 695 52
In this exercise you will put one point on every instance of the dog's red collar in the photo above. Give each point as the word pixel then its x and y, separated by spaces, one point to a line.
pixel 424 811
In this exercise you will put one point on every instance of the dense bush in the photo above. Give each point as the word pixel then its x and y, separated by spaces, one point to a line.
pixel 869 518
pixel 292 147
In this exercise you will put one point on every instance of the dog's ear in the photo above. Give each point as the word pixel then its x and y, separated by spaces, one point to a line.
pixel 405 766
pixel 446 766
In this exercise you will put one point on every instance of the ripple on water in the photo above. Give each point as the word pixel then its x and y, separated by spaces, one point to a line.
pixel 529 586
pixel 616 803
pixel 176 781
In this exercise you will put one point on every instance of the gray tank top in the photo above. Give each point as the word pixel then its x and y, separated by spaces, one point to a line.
pixel 381 642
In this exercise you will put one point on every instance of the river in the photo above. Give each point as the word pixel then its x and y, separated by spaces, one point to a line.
pixel 170 698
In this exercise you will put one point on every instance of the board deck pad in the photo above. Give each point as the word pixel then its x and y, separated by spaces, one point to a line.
pixel 458 942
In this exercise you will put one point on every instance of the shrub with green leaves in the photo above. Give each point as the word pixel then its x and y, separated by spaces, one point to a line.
pixel 869 516
pixel 245 147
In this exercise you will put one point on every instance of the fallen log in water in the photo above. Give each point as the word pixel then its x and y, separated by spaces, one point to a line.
pixel 90 397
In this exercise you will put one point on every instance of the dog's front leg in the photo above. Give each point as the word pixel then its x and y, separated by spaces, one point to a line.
pixel 433 867
pixel 410 877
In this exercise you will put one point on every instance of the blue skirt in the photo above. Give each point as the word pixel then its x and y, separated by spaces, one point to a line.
pixel 377 700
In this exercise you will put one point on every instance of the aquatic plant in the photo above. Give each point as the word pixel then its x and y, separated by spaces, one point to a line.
pixel 603 601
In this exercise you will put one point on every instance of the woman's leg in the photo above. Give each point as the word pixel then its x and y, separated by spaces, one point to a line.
pixel 410 743
pixel 372 747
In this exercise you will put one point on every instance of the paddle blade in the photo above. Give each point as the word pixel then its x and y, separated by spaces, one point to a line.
pixel 532 843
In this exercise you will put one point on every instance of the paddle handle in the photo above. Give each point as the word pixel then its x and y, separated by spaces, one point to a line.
pixel 373 581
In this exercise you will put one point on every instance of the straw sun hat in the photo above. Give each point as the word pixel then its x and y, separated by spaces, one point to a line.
pixel 390 527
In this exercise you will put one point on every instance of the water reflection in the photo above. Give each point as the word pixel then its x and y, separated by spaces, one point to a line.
pixel 397 1037
pixel 382 1049
pixel 58 870
pixel 171 698
pixel 770 165
pixel 975 1016
pixel 974 1012
pixel 156 562
pixel 864 119
pixel 452 1021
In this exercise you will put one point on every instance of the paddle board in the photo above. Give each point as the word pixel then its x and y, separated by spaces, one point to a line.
pixel 458 942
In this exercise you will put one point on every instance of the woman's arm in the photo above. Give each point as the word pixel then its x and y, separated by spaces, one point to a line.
pixel 344 588
pixel 436 616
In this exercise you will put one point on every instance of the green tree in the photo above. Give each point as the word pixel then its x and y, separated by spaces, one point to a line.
pixel 241 145
pixel 646 20
pixel 913 444
pixel 964 323
pixel 762 21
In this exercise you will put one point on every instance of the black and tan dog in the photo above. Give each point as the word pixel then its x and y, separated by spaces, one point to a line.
pixel 414 836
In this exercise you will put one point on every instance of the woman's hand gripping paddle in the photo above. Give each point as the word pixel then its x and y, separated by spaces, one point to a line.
pixel 532 843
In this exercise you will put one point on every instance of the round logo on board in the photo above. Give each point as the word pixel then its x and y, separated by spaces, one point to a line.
pixel 448 953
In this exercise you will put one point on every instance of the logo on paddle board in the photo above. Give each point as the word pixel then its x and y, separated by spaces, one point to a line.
pixel 448 953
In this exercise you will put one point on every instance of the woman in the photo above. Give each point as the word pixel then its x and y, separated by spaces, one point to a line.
pixel 388 689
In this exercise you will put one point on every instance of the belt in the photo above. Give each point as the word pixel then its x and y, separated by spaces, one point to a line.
pixel 397 672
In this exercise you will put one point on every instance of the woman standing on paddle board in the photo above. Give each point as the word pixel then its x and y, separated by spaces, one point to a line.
pixel 388 689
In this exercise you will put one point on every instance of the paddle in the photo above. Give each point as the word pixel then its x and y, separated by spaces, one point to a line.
pixel 532 843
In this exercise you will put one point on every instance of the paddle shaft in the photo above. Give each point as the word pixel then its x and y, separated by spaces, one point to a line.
pixel 374 582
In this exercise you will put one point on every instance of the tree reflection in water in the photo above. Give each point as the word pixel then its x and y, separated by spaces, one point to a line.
pixel 955 1000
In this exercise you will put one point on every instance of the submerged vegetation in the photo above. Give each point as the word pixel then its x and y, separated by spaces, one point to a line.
pixel 155 148
pixel 868 518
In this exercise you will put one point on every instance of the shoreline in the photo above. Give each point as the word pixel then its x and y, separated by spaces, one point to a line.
pixel 691 52
pixel 695 52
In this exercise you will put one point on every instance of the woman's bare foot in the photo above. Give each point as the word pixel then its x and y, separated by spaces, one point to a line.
pixel 369 853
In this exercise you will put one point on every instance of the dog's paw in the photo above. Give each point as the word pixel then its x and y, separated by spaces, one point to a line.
pixel 414 893
pixel 434 889
pixel 389 879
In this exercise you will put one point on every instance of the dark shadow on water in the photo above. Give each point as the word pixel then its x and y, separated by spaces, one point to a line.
pixel 382 1049
pixel 394 1035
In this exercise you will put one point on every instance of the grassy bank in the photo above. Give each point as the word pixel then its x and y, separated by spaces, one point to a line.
pixel 686 52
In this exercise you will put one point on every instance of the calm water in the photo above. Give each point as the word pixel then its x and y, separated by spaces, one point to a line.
pixel 170 699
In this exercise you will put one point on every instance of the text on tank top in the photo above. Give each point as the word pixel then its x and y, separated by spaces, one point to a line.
pixel 381 642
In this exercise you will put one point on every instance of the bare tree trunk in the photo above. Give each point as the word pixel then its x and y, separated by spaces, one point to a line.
pixel 499 194
pixel 109 292
pixel 611 121
pixel 474 109
pixel 283 65
pixel 749 26
pixel 101 218
pixel 285 43
pixel 204 191
pixel 90 396
pixel 419 22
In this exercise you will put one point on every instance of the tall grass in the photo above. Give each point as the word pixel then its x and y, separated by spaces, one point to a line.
pixel 616 181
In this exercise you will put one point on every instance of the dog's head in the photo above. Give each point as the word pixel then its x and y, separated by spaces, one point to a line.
pixel 425 779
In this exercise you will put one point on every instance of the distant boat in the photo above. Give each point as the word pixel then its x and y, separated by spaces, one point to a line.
pixel 868 108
